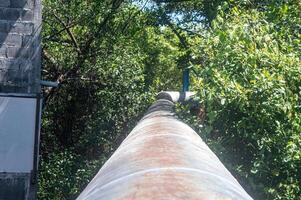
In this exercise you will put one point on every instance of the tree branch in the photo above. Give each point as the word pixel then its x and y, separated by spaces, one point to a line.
pixel 83 54
pixel 69 32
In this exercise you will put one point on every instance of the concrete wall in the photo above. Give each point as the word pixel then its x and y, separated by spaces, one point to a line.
pixel 20 60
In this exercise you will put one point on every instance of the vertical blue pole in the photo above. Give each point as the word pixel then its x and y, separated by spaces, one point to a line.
pixel 186 81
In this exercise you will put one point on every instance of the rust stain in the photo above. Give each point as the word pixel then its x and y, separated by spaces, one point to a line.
pixel 161 151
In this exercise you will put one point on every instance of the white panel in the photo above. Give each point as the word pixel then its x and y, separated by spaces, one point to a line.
pixel 17 130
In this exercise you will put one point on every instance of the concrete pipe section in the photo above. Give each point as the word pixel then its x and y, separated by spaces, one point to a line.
pixel 163 159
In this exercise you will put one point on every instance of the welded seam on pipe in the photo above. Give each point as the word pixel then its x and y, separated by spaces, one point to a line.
pixel 160 169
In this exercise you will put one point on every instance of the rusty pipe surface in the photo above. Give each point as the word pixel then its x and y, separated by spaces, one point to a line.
pixel 163 159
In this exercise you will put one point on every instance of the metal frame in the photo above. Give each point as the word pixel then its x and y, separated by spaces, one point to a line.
pixel 19 95
pixel 33 184
pixel 34 174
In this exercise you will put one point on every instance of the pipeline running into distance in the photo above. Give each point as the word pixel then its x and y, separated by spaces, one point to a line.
pixel 163 159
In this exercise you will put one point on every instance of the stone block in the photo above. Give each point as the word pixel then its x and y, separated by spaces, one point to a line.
pixel 4 27
pixel 3 51
pixel 4 3
pixel 3 37
pixel 3 76
pixel 16 63
pixel 2 13
pixel 11 39
pixel 12 14
pixel 21 3
pixel 21 28
pixel 26 40
pixel 12 52
pixel 18 52
pixel 12 75
pixel 27 15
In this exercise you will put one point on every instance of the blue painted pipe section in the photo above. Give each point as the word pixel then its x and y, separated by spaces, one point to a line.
pixel 186 81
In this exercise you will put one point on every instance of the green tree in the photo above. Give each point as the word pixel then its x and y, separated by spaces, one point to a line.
pixel 111 57
pixel 249 86
pixel 109 61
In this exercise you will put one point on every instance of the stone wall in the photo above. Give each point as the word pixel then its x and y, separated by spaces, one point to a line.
pixel 20 60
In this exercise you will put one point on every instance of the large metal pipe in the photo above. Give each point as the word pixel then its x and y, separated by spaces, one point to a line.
pixel 163 159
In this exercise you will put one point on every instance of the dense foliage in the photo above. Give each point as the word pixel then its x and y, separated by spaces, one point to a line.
pixel 250 87
pixel 111 57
